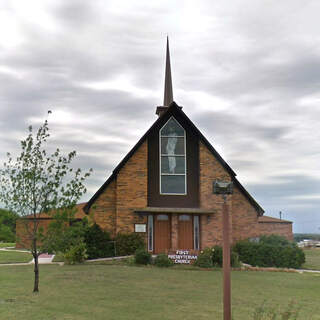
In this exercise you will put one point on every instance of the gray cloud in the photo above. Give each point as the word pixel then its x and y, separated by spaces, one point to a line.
pixel 246 74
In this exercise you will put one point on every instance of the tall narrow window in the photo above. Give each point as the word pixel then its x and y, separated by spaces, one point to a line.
pixel 173 158
pixel 150 232
pixel 196 232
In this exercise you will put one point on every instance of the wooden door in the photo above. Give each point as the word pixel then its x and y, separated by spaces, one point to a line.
pixel 185 232
pixel 162 233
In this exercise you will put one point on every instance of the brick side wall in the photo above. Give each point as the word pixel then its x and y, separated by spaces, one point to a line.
pixel 23 228
pixel 244 217
pixel 103 211
pixel 131 190
pixel 283 229
pixel 210 170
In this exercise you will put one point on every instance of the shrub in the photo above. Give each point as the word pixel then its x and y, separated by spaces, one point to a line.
pixel 270 253
pixel 142 256
pixel 162 260
pixel 275 240
pixel 60 238
pixel 234 259
pixel 76 254
pixel 98 242
pixel 128 243
pixel 217 257
pixel 204 259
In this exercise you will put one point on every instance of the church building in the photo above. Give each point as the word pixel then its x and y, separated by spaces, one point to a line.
pixel 163 189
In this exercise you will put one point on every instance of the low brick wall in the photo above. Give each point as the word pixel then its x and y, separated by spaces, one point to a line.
pixel 280 228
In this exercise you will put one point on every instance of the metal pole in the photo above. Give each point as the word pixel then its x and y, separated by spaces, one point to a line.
pixel 226 263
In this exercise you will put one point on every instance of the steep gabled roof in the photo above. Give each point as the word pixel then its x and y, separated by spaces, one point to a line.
pixel 171 110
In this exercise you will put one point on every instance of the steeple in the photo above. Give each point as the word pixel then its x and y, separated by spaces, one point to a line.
pixel 168 93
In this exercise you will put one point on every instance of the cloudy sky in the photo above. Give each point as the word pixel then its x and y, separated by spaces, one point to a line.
pixel 247 73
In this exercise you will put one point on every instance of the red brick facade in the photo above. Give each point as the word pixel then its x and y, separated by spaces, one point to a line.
pixel 115 207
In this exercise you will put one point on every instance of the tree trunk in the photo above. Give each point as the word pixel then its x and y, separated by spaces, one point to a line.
pixel 36 267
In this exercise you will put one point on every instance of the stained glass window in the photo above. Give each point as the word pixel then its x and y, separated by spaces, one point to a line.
pixel 172 158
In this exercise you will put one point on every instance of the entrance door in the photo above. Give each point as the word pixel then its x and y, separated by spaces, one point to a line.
pixel 162 233
pixel 185 232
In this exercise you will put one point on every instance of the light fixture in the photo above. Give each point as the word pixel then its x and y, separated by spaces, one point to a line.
pixel 222 187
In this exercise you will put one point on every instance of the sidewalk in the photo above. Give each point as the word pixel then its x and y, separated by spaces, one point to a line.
pixel 43 258
pixel 13 250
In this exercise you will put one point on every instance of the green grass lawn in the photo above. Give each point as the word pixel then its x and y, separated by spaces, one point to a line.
pixel 14 257
pixel 312 259
pixel 7 244
pixel 122 292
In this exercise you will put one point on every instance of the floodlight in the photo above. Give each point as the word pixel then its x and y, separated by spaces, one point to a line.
pixel 222 187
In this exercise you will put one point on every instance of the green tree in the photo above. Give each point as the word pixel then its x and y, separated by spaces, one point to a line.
pixel 38 183
pixel 7 225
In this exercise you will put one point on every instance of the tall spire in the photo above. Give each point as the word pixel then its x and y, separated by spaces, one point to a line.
pixel 168 94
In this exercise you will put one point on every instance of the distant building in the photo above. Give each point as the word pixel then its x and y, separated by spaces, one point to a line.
pixel 163 189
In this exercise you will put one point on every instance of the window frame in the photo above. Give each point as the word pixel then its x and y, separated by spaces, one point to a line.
pixel 165 155
pixel 196 232
pixel 150 230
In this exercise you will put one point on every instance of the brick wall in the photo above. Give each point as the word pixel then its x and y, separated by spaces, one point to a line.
pixel 281 228
pixel 210 170
pixel 244 217
pixel 103 211
pixel 23 228
pixel 131 190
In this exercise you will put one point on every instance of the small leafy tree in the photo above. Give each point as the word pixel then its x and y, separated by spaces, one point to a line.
pixel 38 183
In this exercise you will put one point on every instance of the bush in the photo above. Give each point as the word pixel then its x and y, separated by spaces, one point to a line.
pixel 128 243
pixel 60 237
pixel 217 257
pixel 213 257
pixel 76 254
pixel 142 256
pixel 204 259
pixel 276 240
pixel 269 252
pixel 162 260
pixel 98 242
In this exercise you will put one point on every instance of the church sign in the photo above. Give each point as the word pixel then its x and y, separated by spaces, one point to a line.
pixel 140 227
pixel 182 257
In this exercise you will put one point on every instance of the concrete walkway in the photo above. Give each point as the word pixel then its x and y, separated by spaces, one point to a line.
pixel 306 270
pixel 44 258
pixel 13 250
pixel 109 259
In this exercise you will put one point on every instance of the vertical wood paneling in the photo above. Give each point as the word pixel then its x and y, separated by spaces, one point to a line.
pixel 162 235
pixel 185 234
